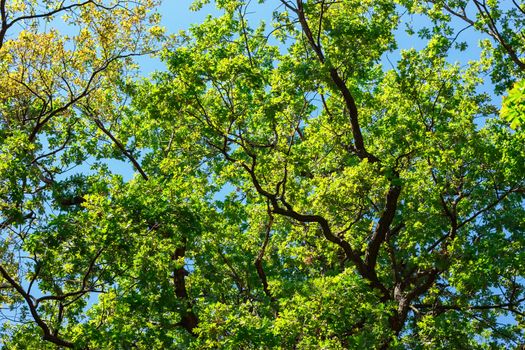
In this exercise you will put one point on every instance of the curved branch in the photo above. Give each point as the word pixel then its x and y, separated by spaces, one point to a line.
pixel 49 335
pixel 383 226
pixel 121 147
pixel 341 86
pixel 492 29
pixel 260 256
pixel 280 206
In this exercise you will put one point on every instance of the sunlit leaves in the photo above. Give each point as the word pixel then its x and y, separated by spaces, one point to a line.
pixel 253 218
pixel 513 109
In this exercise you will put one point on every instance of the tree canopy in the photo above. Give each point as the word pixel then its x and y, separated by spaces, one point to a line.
pixel 339 174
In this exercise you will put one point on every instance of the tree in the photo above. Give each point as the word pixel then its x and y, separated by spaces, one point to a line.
pixel 61 65
pixel 292 190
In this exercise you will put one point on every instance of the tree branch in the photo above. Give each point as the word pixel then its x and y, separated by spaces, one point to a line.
pixel 120 146
pixel 383 226
pixel 260 256
pixel 49 335
pixel 341 86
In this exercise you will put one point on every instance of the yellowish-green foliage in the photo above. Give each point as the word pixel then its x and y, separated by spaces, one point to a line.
pixel 513 107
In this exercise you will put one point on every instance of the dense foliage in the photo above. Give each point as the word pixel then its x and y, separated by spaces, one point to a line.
pixel 311 181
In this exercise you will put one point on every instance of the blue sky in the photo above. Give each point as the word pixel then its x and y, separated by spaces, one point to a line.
pixel 176 16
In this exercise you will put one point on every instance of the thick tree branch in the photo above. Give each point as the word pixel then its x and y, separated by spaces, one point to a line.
pixel 4 27
pixel 258 261
pixel 341 86
pixel 189 320
pixel 280 206
pixel 49 334
pixel 383 226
